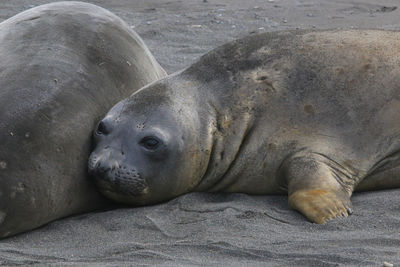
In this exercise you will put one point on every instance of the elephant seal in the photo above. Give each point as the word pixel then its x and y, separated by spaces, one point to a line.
pixel 311 114
pixel 62 67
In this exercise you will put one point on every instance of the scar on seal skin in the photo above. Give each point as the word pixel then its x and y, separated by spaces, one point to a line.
pixel 313 114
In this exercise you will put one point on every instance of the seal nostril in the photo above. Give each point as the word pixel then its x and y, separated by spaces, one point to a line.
pixel 103 169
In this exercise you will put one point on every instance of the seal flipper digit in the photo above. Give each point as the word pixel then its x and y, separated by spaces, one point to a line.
pixel 318 190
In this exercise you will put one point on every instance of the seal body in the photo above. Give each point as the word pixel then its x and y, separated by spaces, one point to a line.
pixel 62 66
pixel 310 114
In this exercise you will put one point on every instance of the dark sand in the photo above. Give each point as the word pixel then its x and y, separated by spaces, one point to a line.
pixel 220 229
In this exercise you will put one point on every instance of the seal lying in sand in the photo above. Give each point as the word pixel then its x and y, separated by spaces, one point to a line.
pixel 62 66
pixel 313 114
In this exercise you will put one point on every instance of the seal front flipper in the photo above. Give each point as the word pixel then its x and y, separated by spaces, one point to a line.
pixel 318 187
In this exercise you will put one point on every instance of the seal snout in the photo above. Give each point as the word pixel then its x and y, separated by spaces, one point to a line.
pixel 112 176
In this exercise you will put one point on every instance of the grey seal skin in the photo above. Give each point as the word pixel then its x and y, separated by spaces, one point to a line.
pixel 311 114
pixel 62 67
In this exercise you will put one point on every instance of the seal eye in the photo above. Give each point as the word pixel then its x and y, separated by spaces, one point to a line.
pixel 101 129
pixel 150 143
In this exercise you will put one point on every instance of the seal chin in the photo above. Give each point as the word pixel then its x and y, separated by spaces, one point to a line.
pixel 133 188
pixel 118 196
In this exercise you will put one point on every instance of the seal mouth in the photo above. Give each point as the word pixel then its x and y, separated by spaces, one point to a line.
pixel 115 179
pixel 119 180
pixel 133 189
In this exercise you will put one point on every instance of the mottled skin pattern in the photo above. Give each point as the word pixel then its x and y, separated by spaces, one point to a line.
pixel 311 114
pixel 62 66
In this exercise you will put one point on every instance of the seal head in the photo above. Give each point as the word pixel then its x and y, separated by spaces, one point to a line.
pixel 141 151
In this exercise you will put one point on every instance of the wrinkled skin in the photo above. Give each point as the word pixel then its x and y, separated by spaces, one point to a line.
pixel 62 66
pixel 310 114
